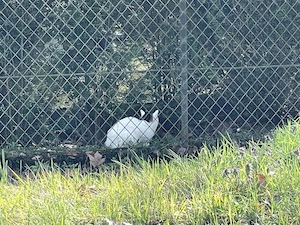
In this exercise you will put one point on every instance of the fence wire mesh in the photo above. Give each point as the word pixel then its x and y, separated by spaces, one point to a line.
pixel 69 69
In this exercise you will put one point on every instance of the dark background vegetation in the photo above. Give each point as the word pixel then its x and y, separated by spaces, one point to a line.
pixel 70 69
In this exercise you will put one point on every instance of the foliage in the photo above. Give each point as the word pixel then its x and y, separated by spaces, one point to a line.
pixel 229 185
pixel 74 63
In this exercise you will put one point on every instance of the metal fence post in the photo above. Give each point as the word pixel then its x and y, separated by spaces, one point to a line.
pixel 183 71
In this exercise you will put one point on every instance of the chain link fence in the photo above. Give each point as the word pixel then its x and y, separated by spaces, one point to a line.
pixel 69 69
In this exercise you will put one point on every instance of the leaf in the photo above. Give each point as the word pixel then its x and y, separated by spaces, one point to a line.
pixel 261 182
pixel 96 160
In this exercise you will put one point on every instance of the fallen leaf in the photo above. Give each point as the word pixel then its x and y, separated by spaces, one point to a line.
pixel 96 160
pixel 262 182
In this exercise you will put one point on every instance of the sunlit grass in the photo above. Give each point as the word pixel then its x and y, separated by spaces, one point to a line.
pixel 219 186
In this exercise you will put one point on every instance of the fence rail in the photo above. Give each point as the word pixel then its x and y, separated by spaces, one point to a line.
pixel 70 69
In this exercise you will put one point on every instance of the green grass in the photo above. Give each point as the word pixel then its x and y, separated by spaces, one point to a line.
pixel 219 186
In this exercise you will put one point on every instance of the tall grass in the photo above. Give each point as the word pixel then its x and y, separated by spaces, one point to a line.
pixel 259 183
